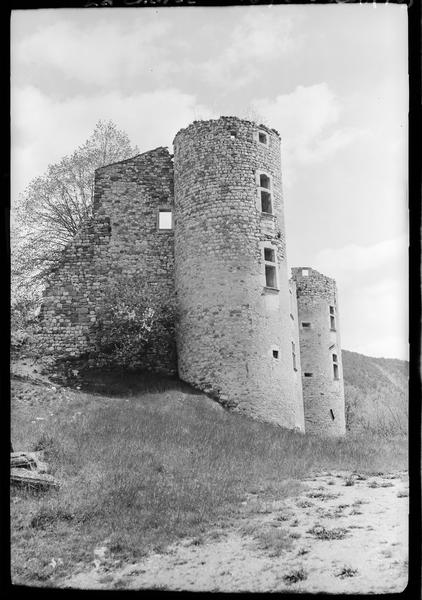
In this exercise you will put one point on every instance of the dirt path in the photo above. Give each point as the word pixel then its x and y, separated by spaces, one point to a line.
pixel 342 534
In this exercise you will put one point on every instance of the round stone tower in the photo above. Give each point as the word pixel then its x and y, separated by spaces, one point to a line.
pixel 233 331
pixel 320 352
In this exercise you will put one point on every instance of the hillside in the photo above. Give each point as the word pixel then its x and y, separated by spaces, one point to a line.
pixel 376 391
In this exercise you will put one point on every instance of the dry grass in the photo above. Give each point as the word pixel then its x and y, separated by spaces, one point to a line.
pixel 156 463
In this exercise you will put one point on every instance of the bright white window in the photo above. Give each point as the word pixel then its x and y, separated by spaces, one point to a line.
pixel 305 272
pixel 165 219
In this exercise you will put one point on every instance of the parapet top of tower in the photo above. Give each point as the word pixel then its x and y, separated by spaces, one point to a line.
pixel 311 281
pixel 231 121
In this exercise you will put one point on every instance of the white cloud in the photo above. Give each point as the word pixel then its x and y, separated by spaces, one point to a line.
pixel 305 119
pixel 257 40
pixel 99 55
pixel 353 259
pixel 372 283
pixel 44 130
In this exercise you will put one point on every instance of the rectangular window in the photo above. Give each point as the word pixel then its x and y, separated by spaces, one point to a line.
pixel 165 219
pixel 335 369
pixel 275 353
pixel 263 138
pixel 264 181
pixel 269 254
pixel 331 310
pixel 332 323
pixel 335 358
pixel 308 374
pixel 332 414
pixel 305 272
pixel 270 268
pixel 306 325
pixel 270 276
pixel 266 205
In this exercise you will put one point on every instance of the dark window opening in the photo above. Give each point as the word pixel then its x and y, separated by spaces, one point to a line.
pixel 165 220
pixel 262 137
pixel 306 325
pixel 266 202
pixel 233 134
pixel 331 347
pixel 332 323
pixel 270 276
pixel 275 353
pixel 332 414
pixel 308 374
pixel 331 310
pixel 335 358
pixel 264 181
pixel 269 254
pixel 335 369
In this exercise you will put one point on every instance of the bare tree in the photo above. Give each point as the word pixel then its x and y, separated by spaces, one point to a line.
pixel 54 205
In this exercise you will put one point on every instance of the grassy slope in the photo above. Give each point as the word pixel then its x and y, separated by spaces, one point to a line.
pixel 151 464
pixel 376 393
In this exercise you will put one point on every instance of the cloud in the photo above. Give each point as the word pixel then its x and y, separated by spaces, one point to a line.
pixel 261 37
pixel 44 129
pixel 355 259
pixel 372 283
pixel 100 55
pixel 305 118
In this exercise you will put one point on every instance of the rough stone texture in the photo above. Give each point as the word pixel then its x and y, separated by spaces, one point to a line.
pixel 229 323
pixel 322 393
pixel 235 336
pixel 121 238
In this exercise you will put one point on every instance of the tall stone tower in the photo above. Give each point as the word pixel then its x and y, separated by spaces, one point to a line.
pixel 320 352
pixel 234 331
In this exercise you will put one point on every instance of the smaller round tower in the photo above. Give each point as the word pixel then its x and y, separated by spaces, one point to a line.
pixel 320 352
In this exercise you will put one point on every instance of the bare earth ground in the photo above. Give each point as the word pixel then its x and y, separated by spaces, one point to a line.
pixel 371 513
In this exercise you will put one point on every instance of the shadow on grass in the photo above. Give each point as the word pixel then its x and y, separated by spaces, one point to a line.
pixel 118 383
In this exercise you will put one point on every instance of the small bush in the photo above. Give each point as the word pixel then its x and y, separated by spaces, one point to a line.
pixel 346 572
pixel 321 533
pixel 295 576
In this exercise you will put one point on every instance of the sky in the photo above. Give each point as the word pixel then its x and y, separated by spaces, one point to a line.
pixel 332 79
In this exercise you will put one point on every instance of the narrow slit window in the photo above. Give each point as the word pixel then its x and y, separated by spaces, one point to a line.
pixel 332 323
pixel 332 414
pixel 308 374
pixel 335 369
pixel 275 353
pixel 335 358
pixel 331 310
pixel 165 219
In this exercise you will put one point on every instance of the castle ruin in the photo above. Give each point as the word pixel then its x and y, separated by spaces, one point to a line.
pixel 206 228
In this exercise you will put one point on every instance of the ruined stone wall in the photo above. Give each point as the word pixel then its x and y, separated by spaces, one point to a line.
pixel 323 389
pixel 233 331
pixel 122 239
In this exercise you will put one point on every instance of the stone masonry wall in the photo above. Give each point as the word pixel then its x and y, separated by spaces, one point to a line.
pixel 121 239
pixel 323 393
pixel 233 332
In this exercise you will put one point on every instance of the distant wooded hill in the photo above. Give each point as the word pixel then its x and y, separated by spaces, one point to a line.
pixel 376 392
